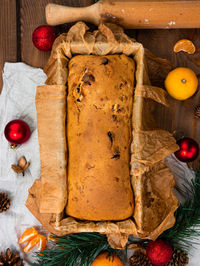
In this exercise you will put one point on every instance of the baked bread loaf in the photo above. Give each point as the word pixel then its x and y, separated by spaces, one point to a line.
pixel 99 134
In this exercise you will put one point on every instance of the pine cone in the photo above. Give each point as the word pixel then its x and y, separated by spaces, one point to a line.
pixel 4 202
pixel 139 258
pixel 179 258
pixel 197 111
pixel 10 259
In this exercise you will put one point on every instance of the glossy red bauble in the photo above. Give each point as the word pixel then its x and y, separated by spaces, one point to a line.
pixel 17 132
pixel 189 150
pixel 159 252
pixel 43 37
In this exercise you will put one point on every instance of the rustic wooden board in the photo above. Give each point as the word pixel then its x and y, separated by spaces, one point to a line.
pixel 32 15
pixel 180 116
pixel 8 30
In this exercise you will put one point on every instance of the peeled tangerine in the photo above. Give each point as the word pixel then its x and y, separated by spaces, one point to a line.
pixel 33 238
pixel 184 45
pixel 28 235
pixel 181 83
pixel 42 242
pixel 31 244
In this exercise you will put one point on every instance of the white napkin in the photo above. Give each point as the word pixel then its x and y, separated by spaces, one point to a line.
pixel 17 101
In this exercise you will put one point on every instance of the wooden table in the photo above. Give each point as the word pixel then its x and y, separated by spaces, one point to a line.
pixel 20 17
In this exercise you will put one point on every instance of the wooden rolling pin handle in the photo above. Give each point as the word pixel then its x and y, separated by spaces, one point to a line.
pixel 58 14
pixel 131 14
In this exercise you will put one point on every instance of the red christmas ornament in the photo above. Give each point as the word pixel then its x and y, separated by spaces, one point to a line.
pixel 189 150
pixel 43 37
pixel 17 132
pixel 159 252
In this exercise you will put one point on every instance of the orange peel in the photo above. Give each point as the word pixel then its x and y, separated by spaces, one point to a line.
pixel 184 45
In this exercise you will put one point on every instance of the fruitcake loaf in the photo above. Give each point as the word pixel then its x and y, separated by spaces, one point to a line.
pixel 99 115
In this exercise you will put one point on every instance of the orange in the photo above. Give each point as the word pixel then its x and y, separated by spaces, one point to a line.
pixel 104 260
pixel 181 83
pixel 31 235
pixel 42 242
pixel 28 235
pixel 31 244
pixel 184 45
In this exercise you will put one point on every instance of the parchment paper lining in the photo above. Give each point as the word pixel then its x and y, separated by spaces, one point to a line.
pixel 152 181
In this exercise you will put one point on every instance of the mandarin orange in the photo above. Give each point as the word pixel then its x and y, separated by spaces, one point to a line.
pixel 184 45
pixel 181 83
pixel 28 235
pixel 104 260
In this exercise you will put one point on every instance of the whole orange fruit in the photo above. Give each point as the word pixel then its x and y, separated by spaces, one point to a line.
pixel 181 83
pixel 104 260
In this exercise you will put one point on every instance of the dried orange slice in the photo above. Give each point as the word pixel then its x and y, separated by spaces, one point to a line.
pixel 184 45
pixel 28 235
pixel 42 242
pixel 32 243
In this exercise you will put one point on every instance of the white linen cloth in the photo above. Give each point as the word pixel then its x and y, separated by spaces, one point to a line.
pixel 17 101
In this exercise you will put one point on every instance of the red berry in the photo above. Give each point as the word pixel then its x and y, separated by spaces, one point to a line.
pixel 17 132
pixel 43 37
pixel 189 150
pixel 159 252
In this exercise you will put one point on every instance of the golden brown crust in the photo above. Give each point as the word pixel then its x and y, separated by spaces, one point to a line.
pixel 99 102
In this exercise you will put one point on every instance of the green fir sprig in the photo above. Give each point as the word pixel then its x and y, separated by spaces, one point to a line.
pixel 74 249
pixel 186 231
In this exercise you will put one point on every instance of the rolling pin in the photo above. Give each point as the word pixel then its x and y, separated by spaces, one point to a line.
pixel 131 14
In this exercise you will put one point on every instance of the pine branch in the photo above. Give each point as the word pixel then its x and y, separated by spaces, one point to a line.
pixel 75 249
pixel 185 232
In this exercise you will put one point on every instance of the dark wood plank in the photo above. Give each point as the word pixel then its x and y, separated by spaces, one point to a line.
pixel 180 116
pixel 33 15
pixel 8 30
